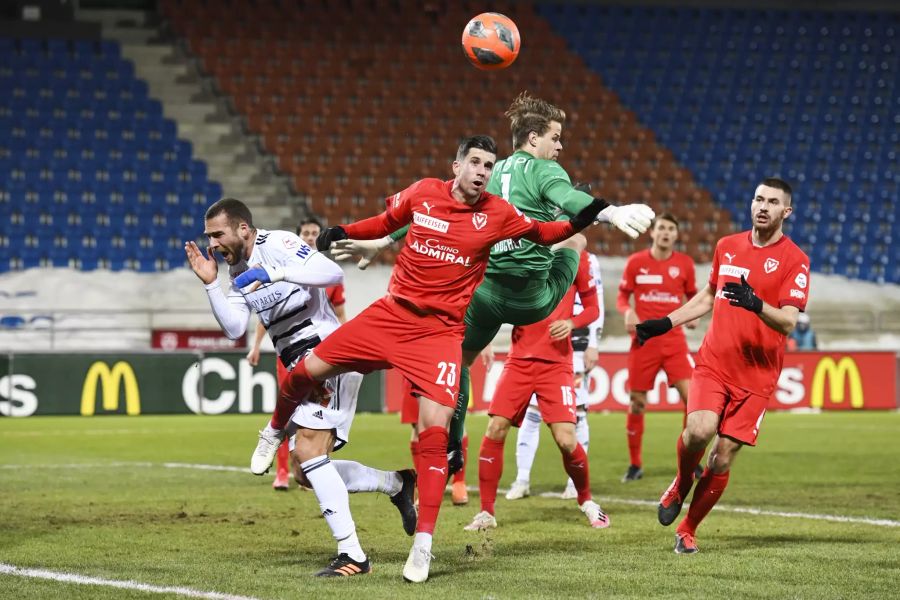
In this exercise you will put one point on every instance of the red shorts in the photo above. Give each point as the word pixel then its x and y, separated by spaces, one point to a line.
pixel 740 411
pixel 644 362
pixel 281 371
pixel 552 383
pixel 409 411
pixel 424 349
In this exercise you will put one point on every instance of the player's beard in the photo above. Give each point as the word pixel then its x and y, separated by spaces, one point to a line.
pixel 233 254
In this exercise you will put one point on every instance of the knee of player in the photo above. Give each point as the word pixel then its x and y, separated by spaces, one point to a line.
pixel 565 440
pixel 497 429
pixel 638 403
pixel 696 434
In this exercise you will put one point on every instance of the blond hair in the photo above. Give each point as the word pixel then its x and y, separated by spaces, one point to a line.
pixel 527 114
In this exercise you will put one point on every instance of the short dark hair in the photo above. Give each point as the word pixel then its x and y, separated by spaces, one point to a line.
pixel 482 142
pixel 666 217
pixel 236 211
pixel 778 184
pixel 309 221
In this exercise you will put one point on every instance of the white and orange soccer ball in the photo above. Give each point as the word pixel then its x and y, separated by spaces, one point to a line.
pixel 491 41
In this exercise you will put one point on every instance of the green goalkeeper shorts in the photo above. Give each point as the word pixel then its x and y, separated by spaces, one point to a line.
pixel 517 300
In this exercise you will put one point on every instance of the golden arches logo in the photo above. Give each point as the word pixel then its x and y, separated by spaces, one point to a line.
pixel 110 381
pixel 837 374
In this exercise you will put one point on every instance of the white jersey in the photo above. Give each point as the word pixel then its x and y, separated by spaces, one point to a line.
pixel 588 337
pixel 297 317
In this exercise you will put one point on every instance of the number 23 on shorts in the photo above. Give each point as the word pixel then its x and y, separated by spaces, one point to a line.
pixel 446 373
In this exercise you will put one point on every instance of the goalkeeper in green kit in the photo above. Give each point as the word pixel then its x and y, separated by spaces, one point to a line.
pixel 524 281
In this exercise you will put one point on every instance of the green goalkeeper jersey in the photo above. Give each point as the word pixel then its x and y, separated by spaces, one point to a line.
pixel 542 190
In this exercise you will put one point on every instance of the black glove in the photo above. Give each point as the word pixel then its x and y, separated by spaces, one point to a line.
pixel 741 294
pixel 454 458
pixel 332 234
pixel 588 214
pixel 652 328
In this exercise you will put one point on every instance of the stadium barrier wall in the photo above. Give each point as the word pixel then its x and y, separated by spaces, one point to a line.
pixel 809 380
pixel 91 384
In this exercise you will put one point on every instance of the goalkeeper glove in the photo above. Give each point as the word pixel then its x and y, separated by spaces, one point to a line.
pixel 652 328
pixel 260 273
pixel 588 214
pixel 332 234
pixel 633 219
pixel 741 294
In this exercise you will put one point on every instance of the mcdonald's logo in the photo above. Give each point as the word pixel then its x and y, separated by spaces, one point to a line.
pixel 837 374
pixel 111 381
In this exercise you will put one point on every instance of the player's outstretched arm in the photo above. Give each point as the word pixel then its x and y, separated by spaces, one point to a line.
pixel 694 308
pixel 364 250
pixel 633 219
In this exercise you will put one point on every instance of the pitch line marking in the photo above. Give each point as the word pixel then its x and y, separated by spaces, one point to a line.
pixel 7 569
pixel 610 499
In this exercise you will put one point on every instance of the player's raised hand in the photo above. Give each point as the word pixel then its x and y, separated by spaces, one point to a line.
pixel 561 329
pixel 329 235
pixel 741 294
pixel 633 219
pixel 365 250
pixel 652 328
pixel 203 265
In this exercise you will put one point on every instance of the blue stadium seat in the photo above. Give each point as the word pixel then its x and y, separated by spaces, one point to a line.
pixel 799 94
pixel 79 138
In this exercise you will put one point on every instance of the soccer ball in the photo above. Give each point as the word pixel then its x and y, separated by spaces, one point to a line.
pixel 491 41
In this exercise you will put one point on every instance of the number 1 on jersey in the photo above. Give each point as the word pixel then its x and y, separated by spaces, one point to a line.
pixel 504 185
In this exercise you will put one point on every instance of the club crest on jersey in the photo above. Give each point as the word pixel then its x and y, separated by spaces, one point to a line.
pixel 770 265
pixel 479 220
pixel 674 272
pixel 290 243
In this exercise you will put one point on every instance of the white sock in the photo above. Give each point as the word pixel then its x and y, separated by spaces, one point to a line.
pixel 582 431
pixel 423 540
pixel 527 443
pixel 360 478
pixel 335 504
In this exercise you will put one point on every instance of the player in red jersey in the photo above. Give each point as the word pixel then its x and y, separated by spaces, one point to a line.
pixel 660 279
pixel 540 363
pixel 308 231
pixel 758 286
pixel 418 327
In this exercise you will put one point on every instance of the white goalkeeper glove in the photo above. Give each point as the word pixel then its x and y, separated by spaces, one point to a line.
pixel 633 219
pixel 365 250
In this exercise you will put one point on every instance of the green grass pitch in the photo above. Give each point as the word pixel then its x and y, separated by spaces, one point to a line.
pixel 93 496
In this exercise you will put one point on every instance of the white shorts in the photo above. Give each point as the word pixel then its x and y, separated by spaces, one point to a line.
pixel 337 415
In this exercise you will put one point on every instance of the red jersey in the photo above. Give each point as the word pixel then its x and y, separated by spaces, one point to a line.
pixel 448 242
pixel 659 287
pixel 335 295
pixel 739 347
pixel 534 342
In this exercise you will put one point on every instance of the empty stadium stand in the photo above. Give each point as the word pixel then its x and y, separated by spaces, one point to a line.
pixel 355 112
pixel 812 96
pixel 93 175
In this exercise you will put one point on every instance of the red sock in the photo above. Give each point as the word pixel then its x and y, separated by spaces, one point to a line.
pixel 432 476
pixel 709 490
pixel 576 465
pixel 634 427
pixel 414 450
pixel 461 474
pixel 490 468
pixel 282 458
pixel 297 386
pixel 687 462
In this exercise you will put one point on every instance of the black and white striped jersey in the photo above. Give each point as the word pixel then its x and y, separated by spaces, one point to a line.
pixel 297 317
